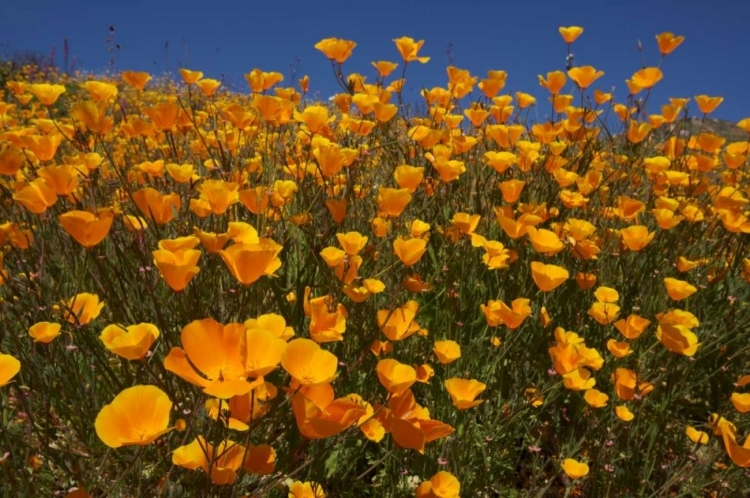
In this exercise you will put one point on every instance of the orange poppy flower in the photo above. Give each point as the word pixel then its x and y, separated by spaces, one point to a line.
pixel 679 289
pixel 548 277
pixel 137 416
pixel 464 391
pixel 308 363
pixel 668 42
pixel 319 415
pixel 584 76
pixel 647 77
pixel 395 376
pixel 136 79
pixel 81 309
pixel 707 104
pixel 44 332
pixel 156 206
pixel 571 33
pixel 447 351
pixel 244 408
pixel 87 228
pixel 37 196
pixel 441 485
pixel 132 342
pixel 575 469
pixel 398 324
pixel 46 93
pixel 408 48
pixel 177 267
pixel 212 358
pixel 336 49
pixel 409 251
pixel 9 367
pixel 249 262
pixel 636 237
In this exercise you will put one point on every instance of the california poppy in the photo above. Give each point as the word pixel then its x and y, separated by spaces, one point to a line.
pixel 136 416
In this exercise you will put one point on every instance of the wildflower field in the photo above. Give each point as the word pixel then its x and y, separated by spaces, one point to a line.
pixel 221 294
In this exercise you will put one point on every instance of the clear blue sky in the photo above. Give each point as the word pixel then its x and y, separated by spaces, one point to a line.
pixel 232 37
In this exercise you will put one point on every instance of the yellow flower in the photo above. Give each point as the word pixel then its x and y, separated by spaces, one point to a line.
pixel 137 416
pixel 441 485
pixel 575 469
pixel 571 33
pixel 408 48
pixel 46 93
pixel 9 367
pixel 132 342
pixel 86 228
pixel 336 49
pixel 463 392
pixel 447 351
pixel 668 42
pixel 679 289
pixel 44 332
pixel 81 309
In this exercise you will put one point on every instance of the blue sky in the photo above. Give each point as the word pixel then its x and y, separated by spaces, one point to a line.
pixel 230 38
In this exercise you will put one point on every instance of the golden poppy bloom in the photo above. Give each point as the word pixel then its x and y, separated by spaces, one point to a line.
pixel 464 391
pixel 497 312
pixel 632 326
pixel 219 194
pixel 87 228
pixel 398 324
pixel 81 309
pixel 410 424
pixel 156 206
pixel 37 196
pixel 336 49
pixel 636 237
pixel 584 76
pixel 570 33
pixel 132 342
pixel 554 83
pixel 177 267
pixel 395 376
pixel 409 251
pixel 707 104
pixel 409 49
pixel 575 469
pixel 9 367
pixel 696 436
pixel 319 415
pixel 623 413
pixel 678 339
pixel 352 242
pixel 46 93
pixel 679 289
pixel 447 351
pixel 548 277
pixel 544 241
pixel 307 489
pixel 596 398
pixel 136 79
pixel 221 463
pixel 647 77
pixel 44 332
pixel 308 363
pixel 668 42
pixel 244 408
pixel 442 485
pixel 249 262
pixel 100 91
pixel 137 416
pixel 212 358
pixel 190 77
pixel 604 313
pixel 62 178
